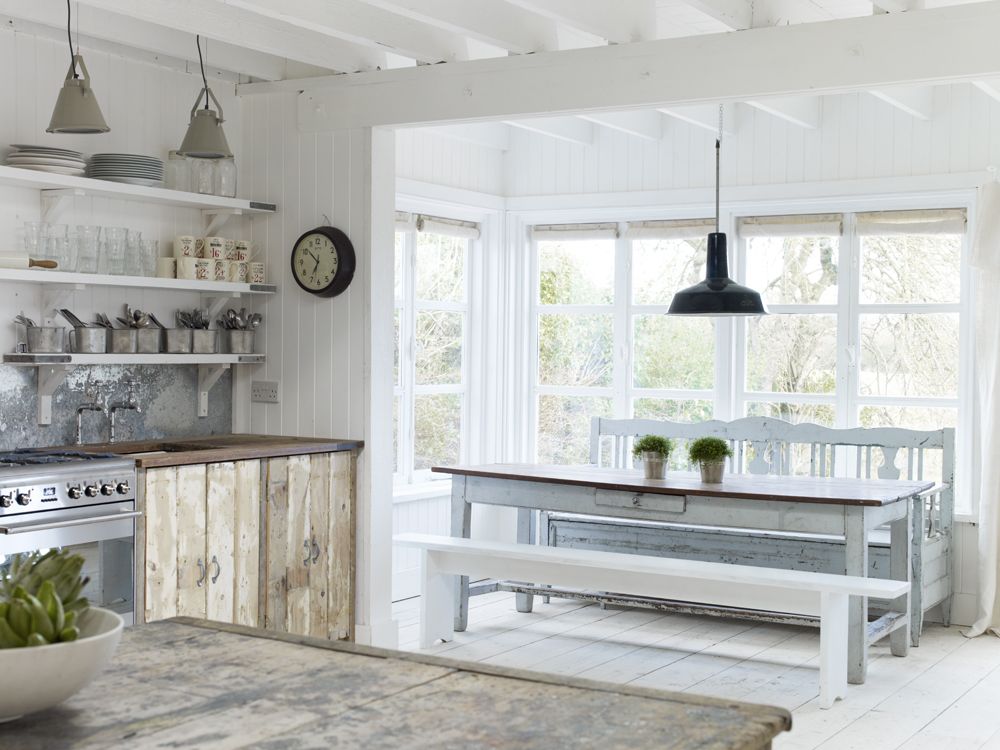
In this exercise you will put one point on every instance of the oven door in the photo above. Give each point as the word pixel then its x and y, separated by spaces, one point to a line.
pixel 103 534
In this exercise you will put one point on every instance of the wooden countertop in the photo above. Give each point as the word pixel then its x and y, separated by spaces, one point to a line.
pixel 836 491
pixel 216 448
pixel 198 684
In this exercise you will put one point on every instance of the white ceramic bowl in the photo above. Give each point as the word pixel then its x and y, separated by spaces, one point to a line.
pixel 48 675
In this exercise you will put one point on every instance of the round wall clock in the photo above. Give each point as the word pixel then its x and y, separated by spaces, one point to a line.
pixel 323 261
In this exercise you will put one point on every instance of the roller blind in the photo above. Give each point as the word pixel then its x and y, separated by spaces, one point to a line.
pixel 934 221
pixel 803 225
pixel 574 231
pixel 682 229
pixel 450 227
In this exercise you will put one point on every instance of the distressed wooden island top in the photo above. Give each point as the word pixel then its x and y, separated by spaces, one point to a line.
pixel 187 683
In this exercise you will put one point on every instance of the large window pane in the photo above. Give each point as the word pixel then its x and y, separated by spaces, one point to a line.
pixel 821 414
pixel 792 354
pixel 661 267
pixel 674 410
pixel 794 270
pixel 439 347
pixel 674 352
pixel 575 350
pixel 440 261
pixel 580 272
pixel 909 355
pixel 912 418
pixel 564 427
pixel 438 425
pixel 911 268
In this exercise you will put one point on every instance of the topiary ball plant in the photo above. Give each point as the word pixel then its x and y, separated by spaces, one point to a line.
pixel 652 444
pixel 709 450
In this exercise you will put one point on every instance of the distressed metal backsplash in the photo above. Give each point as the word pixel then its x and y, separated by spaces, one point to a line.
pixel 167 395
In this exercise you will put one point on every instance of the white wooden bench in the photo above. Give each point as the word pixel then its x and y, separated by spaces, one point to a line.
pixel 765 445
pixel 749 587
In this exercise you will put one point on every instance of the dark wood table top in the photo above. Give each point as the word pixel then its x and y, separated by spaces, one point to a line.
pixel 836 491
pixel 195 684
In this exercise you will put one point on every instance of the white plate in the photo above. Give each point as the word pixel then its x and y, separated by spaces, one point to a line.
pixel 133 181
pixel 136 175
pixel 53 170
pixel 40 161
pixel 47 150
pixel 125 158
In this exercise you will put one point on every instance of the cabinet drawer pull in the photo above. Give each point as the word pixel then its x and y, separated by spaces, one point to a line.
pixel 315 556
pixel 308 558
pixel 218 569
pixel 202 573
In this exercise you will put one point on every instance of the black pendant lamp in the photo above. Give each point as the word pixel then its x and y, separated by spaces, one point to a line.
pixel 718 295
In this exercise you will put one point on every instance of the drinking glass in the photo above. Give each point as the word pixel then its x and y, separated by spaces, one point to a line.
pixel 150 252
pixel 113 250
pixel 34 231
pixel 56 242
pixel 133 252
pixel 87 247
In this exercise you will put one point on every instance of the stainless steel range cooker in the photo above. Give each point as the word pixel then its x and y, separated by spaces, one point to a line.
pixel 83 501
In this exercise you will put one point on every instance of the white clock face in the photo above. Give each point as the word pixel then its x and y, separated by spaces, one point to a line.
pixel 316 261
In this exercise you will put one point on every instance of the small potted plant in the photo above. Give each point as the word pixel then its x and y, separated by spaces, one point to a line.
pixel 710 454
pixel 654 450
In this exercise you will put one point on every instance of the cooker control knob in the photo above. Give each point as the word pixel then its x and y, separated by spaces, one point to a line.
pixel 122 488
pixel 6 501
pixel 75 493
pixel 107 489
pixel 23 498
pixel 91 490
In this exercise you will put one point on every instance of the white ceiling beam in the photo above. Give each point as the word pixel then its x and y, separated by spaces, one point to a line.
pixel 141 39
pixel 493 135
pixel 569 129
pixel 706 117
pixel 621 22
pixel 990 87
pixel 219 21
pixel 735 14
pixel 933 46
pixel 916 101
pixel 489 21
pixel 643 124
pixel 801 111
pixel 896 6
pixel 365 25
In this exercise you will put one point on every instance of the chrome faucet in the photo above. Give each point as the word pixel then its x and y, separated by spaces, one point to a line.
pixel 130 404
pixel 93 406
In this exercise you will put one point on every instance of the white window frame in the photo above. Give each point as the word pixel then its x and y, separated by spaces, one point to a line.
pixel 407 389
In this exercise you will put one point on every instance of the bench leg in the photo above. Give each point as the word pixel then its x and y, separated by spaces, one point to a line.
pixel 856 564
pixel 461 526
pixel 436 603
pixel 525 535
pixel 899 570
pixel 833 621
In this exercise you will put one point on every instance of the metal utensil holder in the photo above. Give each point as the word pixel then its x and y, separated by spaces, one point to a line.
pixel 241 342
pixel 149 340
pixel 123 340
pixel 178 340
pixel 46 340
pixel 205 341
pixel 89 340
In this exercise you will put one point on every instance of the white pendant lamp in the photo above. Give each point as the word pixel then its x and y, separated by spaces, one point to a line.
pixel 205 138
pixel 76 110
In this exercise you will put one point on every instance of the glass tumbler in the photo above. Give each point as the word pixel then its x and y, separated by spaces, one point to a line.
pixel 34 231
pixel 56 243
pixel 133 252
pixel 113 250
pixel 150 252
pixel 88 247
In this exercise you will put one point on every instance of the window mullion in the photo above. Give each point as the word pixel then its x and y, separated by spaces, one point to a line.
pixel 848 324
pixel 623 328
pixel 410 371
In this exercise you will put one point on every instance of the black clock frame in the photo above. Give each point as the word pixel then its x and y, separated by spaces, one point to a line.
pixel 346 262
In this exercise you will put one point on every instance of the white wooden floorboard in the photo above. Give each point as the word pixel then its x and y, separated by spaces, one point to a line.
pixel 944 696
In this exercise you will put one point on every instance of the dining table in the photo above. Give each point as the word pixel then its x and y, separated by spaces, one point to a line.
pixel 847 508
pixel 186 683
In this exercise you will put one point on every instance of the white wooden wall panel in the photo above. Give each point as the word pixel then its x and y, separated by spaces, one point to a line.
pixel 435 158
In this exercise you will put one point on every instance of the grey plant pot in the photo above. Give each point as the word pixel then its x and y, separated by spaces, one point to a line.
pixel 654 465
pixel 712 471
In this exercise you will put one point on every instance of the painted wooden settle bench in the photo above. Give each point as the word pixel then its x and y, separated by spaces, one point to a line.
pixel 764 445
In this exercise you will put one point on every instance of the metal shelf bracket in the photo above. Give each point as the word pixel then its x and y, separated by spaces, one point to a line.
pixel 208 376
pixel 50 377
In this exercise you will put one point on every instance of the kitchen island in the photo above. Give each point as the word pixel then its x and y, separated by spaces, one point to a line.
pixel 198 684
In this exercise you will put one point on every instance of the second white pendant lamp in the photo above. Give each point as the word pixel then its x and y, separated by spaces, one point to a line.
pixel 205 138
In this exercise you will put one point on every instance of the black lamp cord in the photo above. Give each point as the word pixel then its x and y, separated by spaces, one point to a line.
pixel 201 64
pixel 69 36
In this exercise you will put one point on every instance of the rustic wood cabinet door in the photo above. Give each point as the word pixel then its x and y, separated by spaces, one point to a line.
pixel 340 547
pixel 192 541
pixel 160 552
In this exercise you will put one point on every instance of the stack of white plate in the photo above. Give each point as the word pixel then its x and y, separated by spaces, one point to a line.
pixel 46 159
pixel 132 169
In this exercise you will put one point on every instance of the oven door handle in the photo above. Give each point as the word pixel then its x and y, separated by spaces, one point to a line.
pixel 25 528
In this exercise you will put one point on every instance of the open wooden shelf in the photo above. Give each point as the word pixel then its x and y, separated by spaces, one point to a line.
pixel 71 360
pixel 67 278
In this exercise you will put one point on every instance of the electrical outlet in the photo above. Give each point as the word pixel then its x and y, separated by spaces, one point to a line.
pixel 264 391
